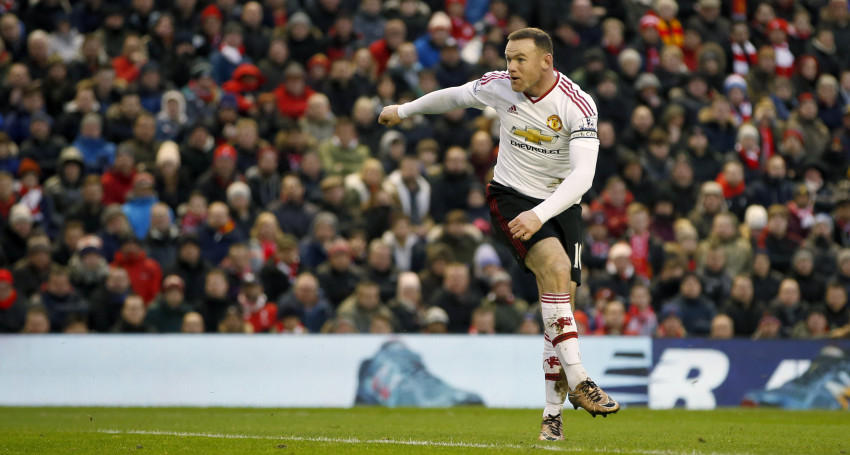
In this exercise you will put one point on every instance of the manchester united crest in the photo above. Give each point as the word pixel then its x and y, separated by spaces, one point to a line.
pixel 554 122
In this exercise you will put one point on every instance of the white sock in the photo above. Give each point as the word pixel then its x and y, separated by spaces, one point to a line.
pixel 556 382
pixel 559 325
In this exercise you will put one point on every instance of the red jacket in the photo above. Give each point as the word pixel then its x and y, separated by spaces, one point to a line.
pixel 381 53
pixel 240 88
pixel 145 274
pixel 125 69
pixel 615 217
pixel 290 105
pixel 263 319
pixel 116 186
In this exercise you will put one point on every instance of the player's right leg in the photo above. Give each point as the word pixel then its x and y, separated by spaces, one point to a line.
pixel 551 267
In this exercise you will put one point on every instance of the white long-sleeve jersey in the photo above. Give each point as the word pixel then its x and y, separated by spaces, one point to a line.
pixel 548 146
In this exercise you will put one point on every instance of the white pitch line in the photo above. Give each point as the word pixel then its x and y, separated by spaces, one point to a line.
pixel 469 445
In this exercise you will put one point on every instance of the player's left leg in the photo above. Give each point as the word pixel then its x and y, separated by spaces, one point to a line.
pixel 552 267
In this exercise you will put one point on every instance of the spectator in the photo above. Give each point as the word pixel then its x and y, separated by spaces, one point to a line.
pixel 338 276
pixel 788 307
pixel 408 250
pixel 436 321
pixel 71 234
pixel 837 311
pixel 670 325
pixel 380 270
pixel 37 321
pixel 133 317
pixel 88 268
pixel 60 299
pixel 343 154
pixel 189 266
pixel 779 243
pixel 722 328
pixel 696 311
pixel 140 200
pixel 143 143
pixel 613 202
pixel 813 326
pixel 63 190
pixel 368 21
pixel 172 182
pixel 242 211
pixel 118 180
pixel 218 234
pixel 214 302
pixel 161 239
pixel 456 297
pixel 264 179
pixel 13 310
pixel 363 305
pixel 741 307
pixel 716 281
pixel 145 273
pixel 293 93
pixel 16 231
pixel 709 203
pixel 620 276
pixel 32 271
pixel 172 118
pixel 613 319
pixel 765 279
pixel 508 309
pixel 257 309
pixel 306 302
pixel 193 322
pixel 294 214
pixel 43 145
pixel 641 318
pixel 167 313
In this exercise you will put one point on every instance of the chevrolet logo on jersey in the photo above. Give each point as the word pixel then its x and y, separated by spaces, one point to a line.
pixel 532 135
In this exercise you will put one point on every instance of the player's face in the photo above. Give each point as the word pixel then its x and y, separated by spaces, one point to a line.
pixel 526 64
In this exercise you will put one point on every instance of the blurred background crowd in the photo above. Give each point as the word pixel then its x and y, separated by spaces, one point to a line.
pixel 216 166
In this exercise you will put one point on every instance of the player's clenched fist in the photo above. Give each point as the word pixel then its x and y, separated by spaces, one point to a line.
pixel 525 225
pixel 389 116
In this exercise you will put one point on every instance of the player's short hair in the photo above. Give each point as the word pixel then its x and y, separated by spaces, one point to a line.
pixel 541 39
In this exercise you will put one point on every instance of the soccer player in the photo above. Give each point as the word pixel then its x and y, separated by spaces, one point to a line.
pixel 547 158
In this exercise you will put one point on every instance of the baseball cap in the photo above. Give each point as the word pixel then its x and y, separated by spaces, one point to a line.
pixel 6 276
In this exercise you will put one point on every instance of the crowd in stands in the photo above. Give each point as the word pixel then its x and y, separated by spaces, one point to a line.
pixel 217 166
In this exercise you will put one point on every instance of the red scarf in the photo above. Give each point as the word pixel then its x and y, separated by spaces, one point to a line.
pixel 653 59
pixel 743 57
pixel 9 301
pixel 729 190
pixel 768 146
pixel 640 254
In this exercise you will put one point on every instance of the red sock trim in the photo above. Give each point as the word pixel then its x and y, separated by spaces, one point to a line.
pixel 556 299
pixel 564 336
pixel 553 377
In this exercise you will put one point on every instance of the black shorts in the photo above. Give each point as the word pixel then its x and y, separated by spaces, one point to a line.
pixel 506 204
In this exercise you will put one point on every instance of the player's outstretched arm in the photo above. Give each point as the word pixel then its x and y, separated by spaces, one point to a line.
pixel 436 102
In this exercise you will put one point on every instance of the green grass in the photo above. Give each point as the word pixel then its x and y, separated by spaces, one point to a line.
pixel 379 430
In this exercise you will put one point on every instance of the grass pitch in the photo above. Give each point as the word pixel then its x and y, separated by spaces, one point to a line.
pixel 379 430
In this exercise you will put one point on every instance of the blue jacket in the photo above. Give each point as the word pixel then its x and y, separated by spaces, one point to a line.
pixel 98 154
pixel 222 68
pixel 429 55
pixel 138 211
pixel 215 245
